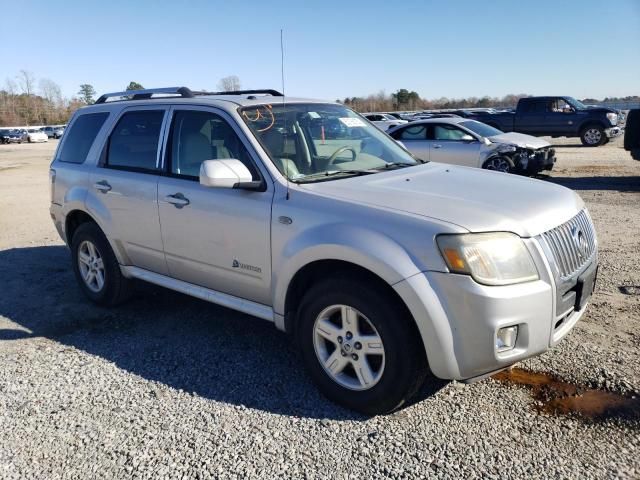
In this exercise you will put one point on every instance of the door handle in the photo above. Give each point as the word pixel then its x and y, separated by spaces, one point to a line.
pixel 178 200
pixel 102 186
pixel 437 145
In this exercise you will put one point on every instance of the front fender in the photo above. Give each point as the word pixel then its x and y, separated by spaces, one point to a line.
pixel 368 249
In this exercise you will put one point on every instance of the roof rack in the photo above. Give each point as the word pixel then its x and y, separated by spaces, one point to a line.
pixel 184 92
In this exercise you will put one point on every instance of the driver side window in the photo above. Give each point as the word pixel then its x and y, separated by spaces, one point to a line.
pixel 199 136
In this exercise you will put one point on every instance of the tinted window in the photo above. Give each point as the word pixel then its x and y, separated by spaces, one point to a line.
pixel 414 132
pixel 536 107
pixel 199 136
pixel 80 137
pixel 133 144
pixel 447 132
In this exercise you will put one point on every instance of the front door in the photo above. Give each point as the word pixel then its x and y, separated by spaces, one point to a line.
pixel 217 238
pixel 448 146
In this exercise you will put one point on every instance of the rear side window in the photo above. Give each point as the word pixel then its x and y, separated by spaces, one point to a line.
pixel 80 137
pixel 414 132
pixel 133 144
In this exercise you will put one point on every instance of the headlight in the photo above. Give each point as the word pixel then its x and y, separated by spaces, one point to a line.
pixel 490 258
pixel 506 148
pixel 613 118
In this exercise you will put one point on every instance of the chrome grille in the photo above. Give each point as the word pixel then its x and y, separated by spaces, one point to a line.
pixel 572 244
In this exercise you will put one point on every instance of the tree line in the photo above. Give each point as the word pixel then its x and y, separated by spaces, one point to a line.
pixel 405 100
pixel 25 100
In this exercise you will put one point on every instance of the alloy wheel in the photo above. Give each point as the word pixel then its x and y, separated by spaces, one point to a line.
pixel 593 136
pixel 348 347
pixel 498 164
pixel 91 266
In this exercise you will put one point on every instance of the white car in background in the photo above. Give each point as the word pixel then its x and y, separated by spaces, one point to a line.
pixel 36 135
pixel 384 121
pixel 461 141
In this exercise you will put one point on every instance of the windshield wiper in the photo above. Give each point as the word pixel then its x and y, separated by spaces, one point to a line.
pixel 331 173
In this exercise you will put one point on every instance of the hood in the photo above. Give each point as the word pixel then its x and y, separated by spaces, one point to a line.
pixel 601 109
pixel 477 200
pixel 520 140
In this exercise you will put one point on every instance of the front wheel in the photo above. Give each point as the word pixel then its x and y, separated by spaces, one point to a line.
pixel 499 164
pixel 360 347
pixel 593 136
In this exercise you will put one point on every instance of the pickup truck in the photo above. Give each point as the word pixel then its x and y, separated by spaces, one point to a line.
pixel 557 117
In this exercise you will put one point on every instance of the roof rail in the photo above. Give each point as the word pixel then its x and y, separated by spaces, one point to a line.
pixel 147 93
pixel 184 92
pixel 265 91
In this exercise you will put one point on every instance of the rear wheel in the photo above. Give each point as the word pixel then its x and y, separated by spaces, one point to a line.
pixel 593 136
pixel 360 347
pixel 96 267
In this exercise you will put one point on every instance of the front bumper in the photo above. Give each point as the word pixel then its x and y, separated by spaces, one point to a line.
pixel 613 132
pixel 459 318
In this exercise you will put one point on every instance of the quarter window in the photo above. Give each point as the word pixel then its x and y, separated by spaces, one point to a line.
pixel 199 136
pixel 80 137
pixel 133 144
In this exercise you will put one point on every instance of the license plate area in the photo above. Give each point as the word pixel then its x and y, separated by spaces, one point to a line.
pixel 585 286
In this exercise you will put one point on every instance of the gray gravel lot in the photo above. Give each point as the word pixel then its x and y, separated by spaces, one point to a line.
pixel 168 386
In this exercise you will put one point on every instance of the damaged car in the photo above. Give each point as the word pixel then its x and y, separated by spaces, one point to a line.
pixel 461 141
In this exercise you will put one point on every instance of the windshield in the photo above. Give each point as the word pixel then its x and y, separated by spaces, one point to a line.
pixel 310 142
pixel 480 128
pixel 575 103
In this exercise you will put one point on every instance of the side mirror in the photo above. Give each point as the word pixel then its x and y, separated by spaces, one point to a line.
pixel 486 141
pixel 224 173
pixel 468 138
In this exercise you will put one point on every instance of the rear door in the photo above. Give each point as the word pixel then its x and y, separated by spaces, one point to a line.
pixel 531 117
pixel 414 138
pixel 448 146
pixel 124 186
pixel 217 238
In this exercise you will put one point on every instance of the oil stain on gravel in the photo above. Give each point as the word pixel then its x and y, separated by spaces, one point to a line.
pixel 556 396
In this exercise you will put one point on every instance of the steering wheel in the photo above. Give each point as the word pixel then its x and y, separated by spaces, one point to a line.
pixel 335 154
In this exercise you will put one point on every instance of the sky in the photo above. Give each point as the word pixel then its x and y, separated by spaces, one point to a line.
pixel 332 49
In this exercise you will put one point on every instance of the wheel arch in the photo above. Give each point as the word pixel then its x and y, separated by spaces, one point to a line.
pixel 76 217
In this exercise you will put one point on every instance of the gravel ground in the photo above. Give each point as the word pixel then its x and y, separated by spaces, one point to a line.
pixel 168 386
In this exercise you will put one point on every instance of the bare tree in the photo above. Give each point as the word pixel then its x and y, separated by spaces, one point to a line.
pixel 27 81
pixel 50 90
pixel 229 84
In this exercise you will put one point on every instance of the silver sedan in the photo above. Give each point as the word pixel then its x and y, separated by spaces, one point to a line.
pixel 460 141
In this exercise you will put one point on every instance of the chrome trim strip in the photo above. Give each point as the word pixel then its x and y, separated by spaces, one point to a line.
pixel 246 306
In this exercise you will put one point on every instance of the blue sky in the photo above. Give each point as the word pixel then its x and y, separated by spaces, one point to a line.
pixel 333 48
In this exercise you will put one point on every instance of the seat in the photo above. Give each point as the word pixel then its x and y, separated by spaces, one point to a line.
pixel 275 143
pixel 194 147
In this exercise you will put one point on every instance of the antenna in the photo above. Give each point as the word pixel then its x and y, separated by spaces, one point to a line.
pixel 286 170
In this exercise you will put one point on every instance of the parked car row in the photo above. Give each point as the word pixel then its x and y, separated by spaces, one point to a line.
pixel 544 116
pixel 31 135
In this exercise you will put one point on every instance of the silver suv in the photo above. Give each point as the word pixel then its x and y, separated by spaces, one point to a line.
pixel 382 267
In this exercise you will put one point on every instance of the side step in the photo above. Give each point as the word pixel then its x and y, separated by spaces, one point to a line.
pixel 235 303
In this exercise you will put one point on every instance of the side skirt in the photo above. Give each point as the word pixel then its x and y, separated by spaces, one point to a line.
pixel 235 303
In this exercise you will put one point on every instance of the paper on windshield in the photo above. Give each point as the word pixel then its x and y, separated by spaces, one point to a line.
pixel 352 122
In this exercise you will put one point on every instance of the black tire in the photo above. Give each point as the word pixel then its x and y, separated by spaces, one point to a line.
pixel 592 136
pixel 116 288
pixel 405 365
pixel 502 160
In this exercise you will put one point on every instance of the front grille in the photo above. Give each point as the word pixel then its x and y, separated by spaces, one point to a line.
pixel 572 244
